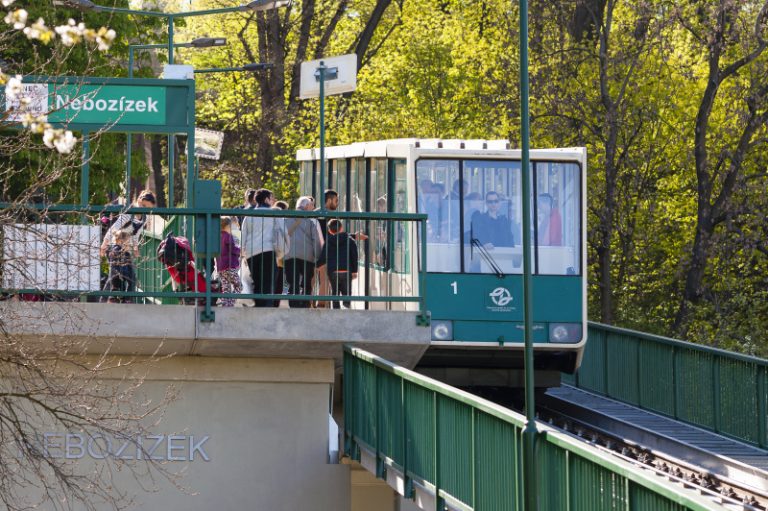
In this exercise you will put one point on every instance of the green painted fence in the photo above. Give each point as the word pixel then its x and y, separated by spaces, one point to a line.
pixel 467 450
pixel 718 390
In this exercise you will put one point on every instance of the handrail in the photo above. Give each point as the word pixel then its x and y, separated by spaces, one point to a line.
pixel 465 450
pixel 711 388
pixel 677 342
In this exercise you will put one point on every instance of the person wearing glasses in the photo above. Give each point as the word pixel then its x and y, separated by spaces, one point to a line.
pixel 490 228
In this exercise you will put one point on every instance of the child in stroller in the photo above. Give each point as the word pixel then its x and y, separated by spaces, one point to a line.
pixel 176 254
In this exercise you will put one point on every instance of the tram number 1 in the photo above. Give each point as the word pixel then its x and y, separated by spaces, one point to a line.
pixel 455 287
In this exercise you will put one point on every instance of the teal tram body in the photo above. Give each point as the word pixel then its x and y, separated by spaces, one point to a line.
pixel 471 191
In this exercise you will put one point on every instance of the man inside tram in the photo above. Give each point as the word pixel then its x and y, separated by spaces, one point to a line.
pixel 491 228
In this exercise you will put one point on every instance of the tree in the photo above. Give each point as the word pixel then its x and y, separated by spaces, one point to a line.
pixel 261 113
pixel 732 36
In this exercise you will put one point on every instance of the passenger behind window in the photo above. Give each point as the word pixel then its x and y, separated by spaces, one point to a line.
pixel 550 224
pixel 430 203
pixel 491 228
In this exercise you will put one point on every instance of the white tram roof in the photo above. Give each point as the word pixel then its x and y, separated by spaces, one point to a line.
pixel 399 147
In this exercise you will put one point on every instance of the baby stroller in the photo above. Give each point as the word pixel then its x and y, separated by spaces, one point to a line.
pixel 176 254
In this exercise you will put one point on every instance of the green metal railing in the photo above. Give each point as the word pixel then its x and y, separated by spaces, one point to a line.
pixel 468 451
pixel 718 390
pixel 202 227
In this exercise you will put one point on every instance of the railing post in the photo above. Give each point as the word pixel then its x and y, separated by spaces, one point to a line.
pixel 675 386
pixel 473 457
pixel 423 318
pixel 408 491
pixel 716 422
pixel 439 502
pixel 207 315
pixel 606 347
pixel 761 406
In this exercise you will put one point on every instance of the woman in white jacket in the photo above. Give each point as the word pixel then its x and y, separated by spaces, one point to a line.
pixel 264 240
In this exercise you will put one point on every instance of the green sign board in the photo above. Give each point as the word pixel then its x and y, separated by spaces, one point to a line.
pixel 112 104
pixel 107 104
pixel 97 104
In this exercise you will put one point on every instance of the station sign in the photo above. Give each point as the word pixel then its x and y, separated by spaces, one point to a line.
pixel 111 104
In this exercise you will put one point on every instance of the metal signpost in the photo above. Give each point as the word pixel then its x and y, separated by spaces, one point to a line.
pixel 341 75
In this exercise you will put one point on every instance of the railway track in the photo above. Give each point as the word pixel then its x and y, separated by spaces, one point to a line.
pixel 732 474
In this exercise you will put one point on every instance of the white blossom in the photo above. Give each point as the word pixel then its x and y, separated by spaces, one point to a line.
pixel 36 123
pixel 63 141
pixel 17 18
pixel 71 33
pixel 13 88
pixel 39 31
pixel 6 3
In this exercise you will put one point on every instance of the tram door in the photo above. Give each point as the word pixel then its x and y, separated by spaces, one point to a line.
pixel 390 242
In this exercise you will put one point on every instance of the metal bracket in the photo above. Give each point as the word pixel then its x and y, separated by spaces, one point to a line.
pixel 381 468
pixel 409 492
pixel 207 316
pixel 423 319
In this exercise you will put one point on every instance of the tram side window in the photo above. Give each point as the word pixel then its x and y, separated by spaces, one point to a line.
pixel 400 236
pixel 357 200
pixel 439 197
pixel 492 212
pixel 340 182
pixel 378 204
pixel 558 219
pixel 305 181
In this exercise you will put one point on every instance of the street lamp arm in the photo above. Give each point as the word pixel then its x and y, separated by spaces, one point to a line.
pixel 123 10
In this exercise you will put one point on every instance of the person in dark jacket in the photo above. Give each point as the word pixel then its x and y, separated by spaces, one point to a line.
pixel 339 256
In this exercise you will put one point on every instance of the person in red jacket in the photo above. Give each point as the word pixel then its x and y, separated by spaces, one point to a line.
pixel 550 232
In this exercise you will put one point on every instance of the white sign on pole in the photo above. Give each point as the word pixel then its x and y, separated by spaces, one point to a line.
pixel 208 143
pixel 341 76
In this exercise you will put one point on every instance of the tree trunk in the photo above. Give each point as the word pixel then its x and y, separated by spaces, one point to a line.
pixel 153 153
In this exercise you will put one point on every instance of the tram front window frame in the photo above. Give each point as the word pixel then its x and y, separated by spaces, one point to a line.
pixel 483 198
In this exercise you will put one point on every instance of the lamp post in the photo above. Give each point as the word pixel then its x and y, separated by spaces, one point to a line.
pixel 254 5
pixel 529 432
pixel 200 42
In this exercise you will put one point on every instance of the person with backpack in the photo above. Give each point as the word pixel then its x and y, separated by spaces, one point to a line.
pixel 133 223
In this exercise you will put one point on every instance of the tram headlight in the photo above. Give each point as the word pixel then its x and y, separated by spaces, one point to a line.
pixel 564 333
pixel 442 330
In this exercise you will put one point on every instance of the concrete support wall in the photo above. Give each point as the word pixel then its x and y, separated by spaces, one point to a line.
pixel 266 423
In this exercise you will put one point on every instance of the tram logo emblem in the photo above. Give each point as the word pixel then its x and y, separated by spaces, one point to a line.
pixel 500 296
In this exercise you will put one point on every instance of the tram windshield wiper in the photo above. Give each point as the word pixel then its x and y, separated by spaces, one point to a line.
pixel 486 255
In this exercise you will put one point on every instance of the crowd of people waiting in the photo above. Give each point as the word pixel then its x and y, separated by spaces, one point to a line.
pixel 270 256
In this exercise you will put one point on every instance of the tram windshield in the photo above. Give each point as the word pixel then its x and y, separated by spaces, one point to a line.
pixel 474 210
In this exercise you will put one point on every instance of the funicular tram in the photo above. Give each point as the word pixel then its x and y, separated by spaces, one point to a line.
pixel 471 191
